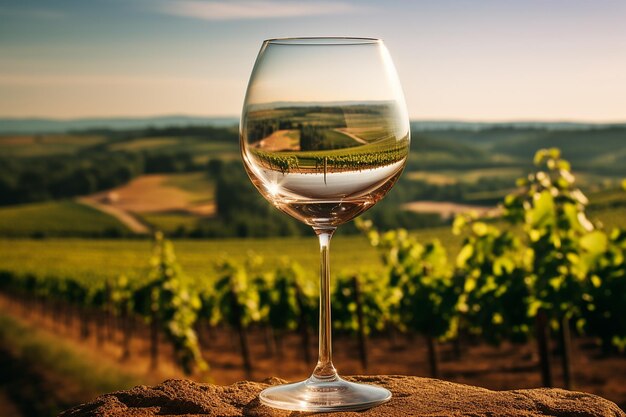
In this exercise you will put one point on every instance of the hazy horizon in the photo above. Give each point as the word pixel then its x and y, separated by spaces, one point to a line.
pixel 237 116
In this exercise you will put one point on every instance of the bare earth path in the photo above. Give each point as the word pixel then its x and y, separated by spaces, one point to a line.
pixel 506 367
pixel 123 216
pixel 154 193
pixel 352 136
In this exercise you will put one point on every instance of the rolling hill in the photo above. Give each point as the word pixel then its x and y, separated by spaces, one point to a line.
pixel 459 162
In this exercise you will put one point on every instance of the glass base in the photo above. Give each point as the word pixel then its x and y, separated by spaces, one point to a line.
pixel 323 396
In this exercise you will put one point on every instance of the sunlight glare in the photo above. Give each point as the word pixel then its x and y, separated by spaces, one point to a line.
pixel 273 188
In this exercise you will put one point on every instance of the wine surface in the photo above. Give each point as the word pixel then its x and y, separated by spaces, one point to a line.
pixel 324 164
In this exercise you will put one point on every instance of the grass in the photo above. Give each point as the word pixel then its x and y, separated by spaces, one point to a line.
pixel 27 146
pixel 171 222
pixel 196 183
pixel 467 175
pixel 61 357
pixel 91 259
pixel 610 218
pixel 100 259
pixel 144 144
pixel 52 373
pixel 435 178
pixel 88 259
pixel 56 218
pixel 334 139
pixel 173 144
pixel 213 149
pixel 608 198
pixel 609 208
pixel 68 218
pixel 45 145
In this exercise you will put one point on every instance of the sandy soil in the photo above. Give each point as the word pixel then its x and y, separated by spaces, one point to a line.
pixel 412 396
pixel 145 194
pixel 279 141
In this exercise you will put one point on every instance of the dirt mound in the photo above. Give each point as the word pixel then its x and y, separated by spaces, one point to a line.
pixel 412 396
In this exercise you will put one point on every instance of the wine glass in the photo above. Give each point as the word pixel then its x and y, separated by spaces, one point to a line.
pixel 324 136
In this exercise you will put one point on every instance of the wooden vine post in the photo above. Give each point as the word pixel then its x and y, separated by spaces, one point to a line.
pixel 127 324
pixel 302 324
pixel 154 338
pixel 240 328
pixel 566 353
pixel 433 356
pixel 543 346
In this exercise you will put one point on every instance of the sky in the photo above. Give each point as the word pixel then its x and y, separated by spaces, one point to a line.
pixel 500 60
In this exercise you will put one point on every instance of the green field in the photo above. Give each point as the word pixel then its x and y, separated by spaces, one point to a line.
pixel 100 259
pixel 56 218
pixel 609 217
pixel 170 222
pixel 586 180
pixel 197 183
pixel 144 144
pixel 465 176
pixel 50 145
pixel 27 146
pixel 108 258
pixel 174 144
pixel 598 149
pixel 46 360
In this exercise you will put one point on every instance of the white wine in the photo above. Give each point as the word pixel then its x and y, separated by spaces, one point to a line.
pixel 325 200
pixel 324 165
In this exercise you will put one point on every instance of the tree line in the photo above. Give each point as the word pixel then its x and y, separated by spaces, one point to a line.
pixel 53 178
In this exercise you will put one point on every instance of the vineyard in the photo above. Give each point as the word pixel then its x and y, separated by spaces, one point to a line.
pixel 366 157
pixel 52 216
pixel 543 272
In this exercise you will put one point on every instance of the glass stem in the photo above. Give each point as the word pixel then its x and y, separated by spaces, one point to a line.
pixel 325 371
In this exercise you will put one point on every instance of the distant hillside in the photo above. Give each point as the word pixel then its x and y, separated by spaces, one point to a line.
pixel 46 125
pixel 601 148
pixel 598 147
pixel 41 125
pixel 428 125
pixel 186 178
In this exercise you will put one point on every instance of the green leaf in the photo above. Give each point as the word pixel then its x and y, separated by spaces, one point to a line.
pixel 554 153
pixel 497 318
pixel 562 164
pixel 596 281
pixel 533 307
pixel 595 242
pixel 542 213
pixel 469 286
pixel 459 224
pixel 539 156
pixel 466 252
pixel 479 229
